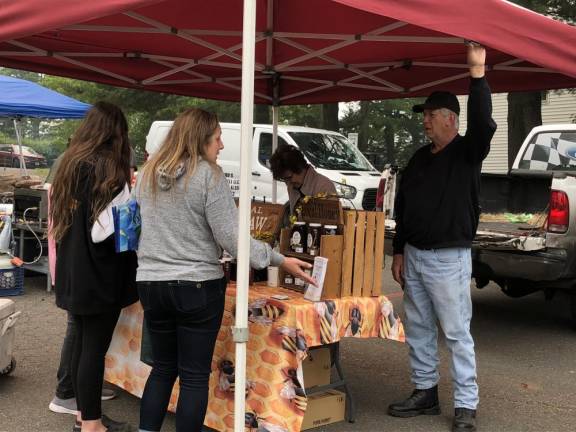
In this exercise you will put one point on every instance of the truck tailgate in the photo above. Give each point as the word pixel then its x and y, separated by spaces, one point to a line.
pixel 509 236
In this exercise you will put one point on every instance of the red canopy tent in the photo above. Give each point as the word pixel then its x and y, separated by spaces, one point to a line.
pixel 307 51
pixel 293 52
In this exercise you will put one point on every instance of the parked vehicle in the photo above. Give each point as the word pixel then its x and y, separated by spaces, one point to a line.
pixel 330 153
pixel 10 156
pixel 533 247
pixel 526 237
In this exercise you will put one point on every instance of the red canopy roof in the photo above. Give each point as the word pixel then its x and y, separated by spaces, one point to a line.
pixel 314 50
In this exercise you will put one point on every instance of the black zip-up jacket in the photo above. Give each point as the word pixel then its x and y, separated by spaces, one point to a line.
pixel 437 203
pixel 91 278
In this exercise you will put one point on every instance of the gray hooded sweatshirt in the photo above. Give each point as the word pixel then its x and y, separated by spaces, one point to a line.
pixel 186 227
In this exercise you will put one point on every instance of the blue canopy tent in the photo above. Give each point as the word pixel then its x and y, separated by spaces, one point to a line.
pixel 20 98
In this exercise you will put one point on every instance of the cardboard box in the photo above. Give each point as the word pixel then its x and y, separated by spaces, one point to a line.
pixel 316 367
pixel 324 408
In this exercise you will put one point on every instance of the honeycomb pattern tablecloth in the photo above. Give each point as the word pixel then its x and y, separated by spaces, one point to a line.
pixel 281 331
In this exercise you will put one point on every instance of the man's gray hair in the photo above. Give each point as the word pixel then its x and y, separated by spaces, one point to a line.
pixel 446 112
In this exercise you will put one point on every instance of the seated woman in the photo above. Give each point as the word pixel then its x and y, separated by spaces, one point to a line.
pixel 289 166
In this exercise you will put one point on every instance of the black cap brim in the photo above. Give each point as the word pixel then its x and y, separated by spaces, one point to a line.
pixel 420 108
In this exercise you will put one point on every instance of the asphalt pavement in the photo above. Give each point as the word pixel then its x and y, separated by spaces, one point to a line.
pixel 526 354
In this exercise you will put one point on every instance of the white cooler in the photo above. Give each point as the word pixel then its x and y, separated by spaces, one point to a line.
pixel 8 318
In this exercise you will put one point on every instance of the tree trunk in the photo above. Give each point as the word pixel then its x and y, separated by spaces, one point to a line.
pixel 330 117
pixel 524 113
pixel 35 128
pixel 389 142
pixel 262 114
pixel 364 127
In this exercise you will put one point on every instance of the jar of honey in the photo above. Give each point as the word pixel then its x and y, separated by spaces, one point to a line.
pixel 313 242
pixel 298 237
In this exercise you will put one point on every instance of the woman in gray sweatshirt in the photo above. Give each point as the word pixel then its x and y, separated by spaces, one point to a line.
pixel 188 218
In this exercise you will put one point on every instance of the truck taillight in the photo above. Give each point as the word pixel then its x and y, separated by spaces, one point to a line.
pixel 380 195
pixel 559 212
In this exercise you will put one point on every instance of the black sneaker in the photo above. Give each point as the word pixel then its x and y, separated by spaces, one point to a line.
pixel 464 420
pixel 421 402
pixel 111 425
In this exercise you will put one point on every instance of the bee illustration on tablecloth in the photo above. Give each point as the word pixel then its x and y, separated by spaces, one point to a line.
pixel 263 311
pixel 328 314
pixel 293 390
pixel 293 340
pixel 389 326
pixel 256 424
pixel 226 380
pixel 354 326
pixel 227 377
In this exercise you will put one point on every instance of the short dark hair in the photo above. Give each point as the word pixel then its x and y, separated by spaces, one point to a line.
pixel 287 158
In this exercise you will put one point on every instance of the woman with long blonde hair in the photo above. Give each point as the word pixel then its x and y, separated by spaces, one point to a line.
pixel 93 282
pixel 188 218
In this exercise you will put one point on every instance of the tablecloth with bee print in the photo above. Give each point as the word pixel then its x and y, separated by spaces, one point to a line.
pixel 283 326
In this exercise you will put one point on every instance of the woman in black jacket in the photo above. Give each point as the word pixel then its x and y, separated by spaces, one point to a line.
pixel 93 283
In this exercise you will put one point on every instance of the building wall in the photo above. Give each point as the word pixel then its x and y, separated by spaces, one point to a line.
pixel 559 107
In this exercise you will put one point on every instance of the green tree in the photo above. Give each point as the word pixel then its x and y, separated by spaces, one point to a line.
pixel 141 109
pixel 388 131
pixel 301 115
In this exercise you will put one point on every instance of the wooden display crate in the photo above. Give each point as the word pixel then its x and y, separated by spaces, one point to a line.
pixel 330 247
pixel 355 255
pixel 363 254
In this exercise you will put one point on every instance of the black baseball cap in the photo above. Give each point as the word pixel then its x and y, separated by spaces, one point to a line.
pixel 439 99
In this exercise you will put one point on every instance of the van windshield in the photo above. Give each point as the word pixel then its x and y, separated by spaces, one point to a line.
pixel 333 152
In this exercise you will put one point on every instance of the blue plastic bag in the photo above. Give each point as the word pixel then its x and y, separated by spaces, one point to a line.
pixel 127 226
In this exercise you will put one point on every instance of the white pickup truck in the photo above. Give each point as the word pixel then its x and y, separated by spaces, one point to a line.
pixel 526 239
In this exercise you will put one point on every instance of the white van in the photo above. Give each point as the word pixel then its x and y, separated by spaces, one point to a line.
pixel 330 153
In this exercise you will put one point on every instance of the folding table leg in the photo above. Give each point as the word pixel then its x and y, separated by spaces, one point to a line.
pixel 350 405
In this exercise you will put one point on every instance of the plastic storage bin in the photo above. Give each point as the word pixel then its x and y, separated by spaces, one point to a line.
pixel 11 281
pixel 8 318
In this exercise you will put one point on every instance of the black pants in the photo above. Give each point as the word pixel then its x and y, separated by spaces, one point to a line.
pixel 93 336
pixel 65 390
pixel 183 319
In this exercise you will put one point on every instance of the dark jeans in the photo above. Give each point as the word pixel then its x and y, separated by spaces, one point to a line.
pixel 93 337
pixel 183 319
pixel 64 389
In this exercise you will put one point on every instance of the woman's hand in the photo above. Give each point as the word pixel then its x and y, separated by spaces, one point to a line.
pixel 296 267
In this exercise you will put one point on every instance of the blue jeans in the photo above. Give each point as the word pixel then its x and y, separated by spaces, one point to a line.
pixel 183 320
pixel 437 289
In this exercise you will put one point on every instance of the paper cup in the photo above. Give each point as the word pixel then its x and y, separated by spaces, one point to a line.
pixel 272 276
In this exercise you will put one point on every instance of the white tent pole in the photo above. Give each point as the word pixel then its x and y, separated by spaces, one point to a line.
pixel 240 330
pixel 274 147
pixel 19 140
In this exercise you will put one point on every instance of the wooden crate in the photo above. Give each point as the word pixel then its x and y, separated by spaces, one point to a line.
pixel 355 257
pixel 363 254
pixel 331 248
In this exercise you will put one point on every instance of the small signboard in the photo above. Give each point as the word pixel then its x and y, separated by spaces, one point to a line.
pixel 265 220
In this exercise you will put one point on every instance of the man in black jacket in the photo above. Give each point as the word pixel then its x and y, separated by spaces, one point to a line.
pixel 437 214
